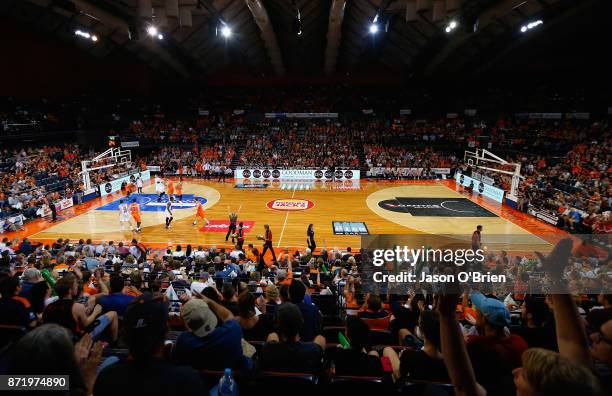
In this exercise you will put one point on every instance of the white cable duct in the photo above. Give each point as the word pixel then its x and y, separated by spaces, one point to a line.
pixel 114 23
pixel 267 34
pixel 334 34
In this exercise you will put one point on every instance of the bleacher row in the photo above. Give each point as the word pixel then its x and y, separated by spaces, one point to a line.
pixel 51 183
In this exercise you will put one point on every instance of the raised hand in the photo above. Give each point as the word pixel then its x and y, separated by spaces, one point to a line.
pixel 554 264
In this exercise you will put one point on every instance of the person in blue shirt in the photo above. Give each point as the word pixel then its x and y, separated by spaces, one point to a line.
pixel 213 340
pixel 115 301
pixel 311 326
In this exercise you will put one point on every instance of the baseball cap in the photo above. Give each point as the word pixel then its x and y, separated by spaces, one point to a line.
pixel 492 309
pixel 199 317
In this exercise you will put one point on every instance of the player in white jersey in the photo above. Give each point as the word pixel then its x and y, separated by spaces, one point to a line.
pixel 160 188
pixel 168 212
pixel 124 214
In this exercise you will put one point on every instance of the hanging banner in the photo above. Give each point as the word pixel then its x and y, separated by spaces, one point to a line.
pixel 405 111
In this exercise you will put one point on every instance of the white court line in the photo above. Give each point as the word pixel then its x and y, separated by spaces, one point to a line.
pixel 240 207
pixel 498 215
pixel 285 223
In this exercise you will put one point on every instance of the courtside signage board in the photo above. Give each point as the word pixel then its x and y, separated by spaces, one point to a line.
pixel 350 228
pixel 496 194
pixel 223 225
pixel 115 185
pixel 290 204
pixel 296 174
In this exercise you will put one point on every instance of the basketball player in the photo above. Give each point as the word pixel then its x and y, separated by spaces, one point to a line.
pixel 124 214
pixel 179 190
pixel 200 214
pixel 233 219
pixel 159 188
pixel 135 211
pixel 240 236
pixel 168 211
pixel 312 245
pixel 267 246
pixel 170 187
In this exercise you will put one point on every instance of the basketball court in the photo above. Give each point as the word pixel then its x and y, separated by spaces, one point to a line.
pixel 340 212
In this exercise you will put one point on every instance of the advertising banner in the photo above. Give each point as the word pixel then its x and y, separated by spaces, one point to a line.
pixel 115 185
pixel 296 174
pixel 480 187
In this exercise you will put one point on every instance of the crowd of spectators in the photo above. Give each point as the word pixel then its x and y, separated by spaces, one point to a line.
pixel 31 178
pixel 118 315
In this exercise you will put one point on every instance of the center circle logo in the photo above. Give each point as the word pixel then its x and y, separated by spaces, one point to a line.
pixel 348 174
pixel 276 173
pixel 108 188
pixel 328 174
pixel 266 173
pixel 290 204
pixel 256 173
pixel 318 174
pixel 246 173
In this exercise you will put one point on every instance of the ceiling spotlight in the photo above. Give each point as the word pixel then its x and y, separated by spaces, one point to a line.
pixel 94 38
pixel 531 25
pixel 226 31
pixel 452 25
pixel 373 28
pixel 160 36
pixel 152 31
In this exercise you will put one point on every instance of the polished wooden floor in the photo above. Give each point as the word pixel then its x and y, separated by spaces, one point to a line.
pixel 289 227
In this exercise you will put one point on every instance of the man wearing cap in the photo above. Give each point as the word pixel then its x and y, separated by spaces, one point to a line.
pixel 496 352
pixel 285 351
pixel 146 372
pixel 209 344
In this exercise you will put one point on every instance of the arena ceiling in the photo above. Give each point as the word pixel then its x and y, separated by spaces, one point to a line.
pixel 334 34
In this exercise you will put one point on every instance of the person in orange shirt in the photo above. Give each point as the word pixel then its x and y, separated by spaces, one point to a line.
pixel 170 187
pixel 135 212
pixel 179 190
pixel 200 214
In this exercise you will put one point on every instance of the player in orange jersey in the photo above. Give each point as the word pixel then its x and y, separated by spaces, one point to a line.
pixel 179 190
pixel 200 213
pixel 170 188
pixel 135 212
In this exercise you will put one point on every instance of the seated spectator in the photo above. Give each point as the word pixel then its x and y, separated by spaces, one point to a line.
pixel 255 325
pixel 206 345
pixel 425 364
pixel 496 352
pixel 285 351
pixel 311 316
pixel 146 372
pixel 30 277
pixel 49 349
pixel 230 298
pixel 357 360
pixel 116 301
pixel 74 316
pixel 374 315
pixel 14 310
